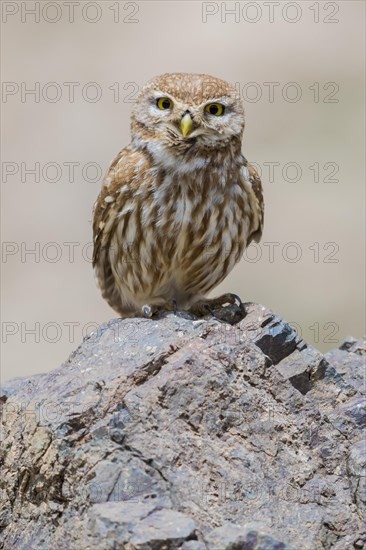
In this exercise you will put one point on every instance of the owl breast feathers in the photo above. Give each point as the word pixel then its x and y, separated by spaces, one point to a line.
pixel 179 204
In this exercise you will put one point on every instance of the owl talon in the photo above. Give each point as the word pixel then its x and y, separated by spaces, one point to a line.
pixel 203 307
pixel 233 299
pixel 209 309
pixel 228 298
pixel 169 306
pixel 200 309
pixel 148 311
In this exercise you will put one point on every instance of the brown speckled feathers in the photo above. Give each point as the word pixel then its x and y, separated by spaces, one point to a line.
pixel 176 211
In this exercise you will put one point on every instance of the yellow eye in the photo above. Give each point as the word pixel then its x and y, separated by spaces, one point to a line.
pixel 215 109
pixel 164 103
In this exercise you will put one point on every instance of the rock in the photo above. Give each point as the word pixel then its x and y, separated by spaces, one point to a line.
pixel 349 361
pixel 140 523
pixel 303 369
pixel 349 414
pixel 357 471
pixel 270 333
pixel 231 537
pixel 183 433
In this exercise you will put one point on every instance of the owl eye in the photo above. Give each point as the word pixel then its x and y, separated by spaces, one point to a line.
pixel 215 109
pixel 164 103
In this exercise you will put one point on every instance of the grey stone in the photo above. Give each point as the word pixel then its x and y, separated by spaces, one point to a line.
pixel 162 527
pixel 349 361
pixel 357 471
pixel 303 369
pixel 193 545
pixel 234 537
pixel 270 333
pixel 178 432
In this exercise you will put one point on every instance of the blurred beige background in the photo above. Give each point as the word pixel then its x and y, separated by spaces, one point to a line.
pixel 312 130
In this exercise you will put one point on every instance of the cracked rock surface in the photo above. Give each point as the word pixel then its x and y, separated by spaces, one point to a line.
pixel 183 433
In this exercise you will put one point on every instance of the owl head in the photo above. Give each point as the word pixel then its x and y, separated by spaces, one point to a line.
pixel 182 111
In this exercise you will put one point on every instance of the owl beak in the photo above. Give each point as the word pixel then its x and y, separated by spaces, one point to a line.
pixel 186 124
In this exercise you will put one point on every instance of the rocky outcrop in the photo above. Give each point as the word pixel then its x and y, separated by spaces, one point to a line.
pixel 177 432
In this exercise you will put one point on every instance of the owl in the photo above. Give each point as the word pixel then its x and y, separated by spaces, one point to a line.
pixel 179 205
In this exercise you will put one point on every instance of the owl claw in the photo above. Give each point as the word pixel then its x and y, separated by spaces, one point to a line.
pixel 147 311
pixel 203 307
pixel 169 306
pixel 209 309
pixel 233 299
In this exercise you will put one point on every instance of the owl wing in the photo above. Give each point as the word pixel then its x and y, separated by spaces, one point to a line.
pixel 117 189
pixel 253 186
pixel 110 200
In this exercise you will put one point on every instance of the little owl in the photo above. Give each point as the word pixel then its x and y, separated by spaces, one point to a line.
pixel 179 205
